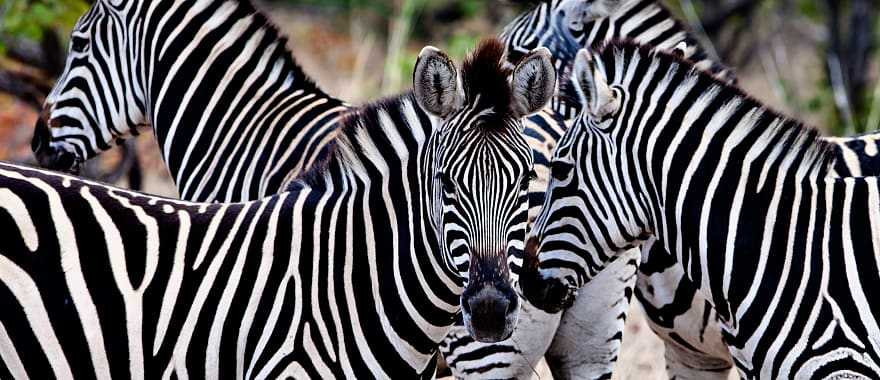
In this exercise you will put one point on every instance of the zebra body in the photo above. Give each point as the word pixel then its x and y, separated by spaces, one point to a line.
pixel 741 195
pixel 684 320
pixel 359 270
pixel 687 323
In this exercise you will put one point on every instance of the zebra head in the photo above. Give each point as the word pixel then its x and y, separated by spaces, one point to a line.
pixel 550 23
pixel 594 208
pixel 98 100
pixel 481 167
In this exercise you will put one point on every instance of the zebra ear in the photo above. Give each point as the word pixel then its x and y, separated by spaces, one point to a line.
pixel 592 86
pixel 533 83
pixel 435 83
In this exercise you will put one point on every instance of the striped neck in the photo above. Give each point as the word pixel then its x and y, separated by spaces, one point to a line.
pixel 389 147
pixel 694 135
pixel 378 168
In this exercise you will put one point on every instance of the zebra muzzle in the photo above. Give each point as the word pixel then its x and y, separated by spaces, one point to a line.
pixel 49 157
pixel 490 311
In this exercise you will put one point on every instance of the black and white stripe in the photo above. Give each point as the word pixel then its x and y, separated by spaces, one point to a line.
pixel 294 120
pixel 359 270
pixel 743 197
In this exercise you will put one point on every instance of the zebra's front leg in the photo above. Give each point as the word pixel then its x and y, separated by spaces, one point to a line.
pixel 587 343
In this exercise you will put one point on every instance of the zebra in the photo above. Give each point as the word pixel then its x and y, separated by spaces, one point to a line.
pixel 424 193
pixel 679 315
pixel 555 23
pixel 306 120
pixel 565 26
pixel 666 154
pixel 235 116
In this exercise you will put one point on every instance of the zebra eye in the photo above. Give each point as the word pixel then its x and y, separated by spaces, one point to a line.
pixel 79 44
pixel 560 170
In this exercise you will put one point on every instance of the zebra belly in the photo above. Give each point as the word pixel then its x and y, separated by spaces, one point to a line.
pixel 687 324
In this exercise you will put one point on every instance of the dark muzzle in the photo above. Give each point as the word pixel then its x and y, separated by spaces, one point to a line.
pixel 49 157
pixel 490 311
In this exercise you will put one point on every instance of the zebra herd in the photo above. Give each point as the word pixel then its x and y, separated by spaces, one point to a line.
pixel 320 239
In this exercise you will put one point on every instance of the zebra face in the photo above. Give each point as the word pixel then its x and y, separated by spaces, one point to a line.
pixel 593 208
pixel 550 20
pixel 481 171
pixel 94 104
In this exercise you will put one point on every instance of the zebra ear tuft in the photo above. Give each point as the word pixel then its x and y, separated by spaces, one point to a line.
pixel 435 83
pixel 592 86
pixel 533 83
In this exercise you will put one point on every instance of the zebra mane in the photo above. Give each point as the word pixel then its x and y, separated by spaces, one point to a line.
pixel 485 77
pixel 304 81
pixel 613 51
pixel 570 45
pixel 368 116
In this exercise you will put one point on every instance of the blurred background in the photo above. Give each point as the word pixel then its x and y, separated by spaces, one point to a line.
pixel 813 59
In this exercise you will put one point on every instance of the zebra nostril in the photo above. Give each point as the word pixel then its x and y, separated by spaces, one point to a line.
pixel 66 162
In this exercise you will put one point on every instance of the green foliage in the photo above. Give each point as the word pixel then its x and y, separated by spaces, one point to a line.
pixel 812 10
pixel 31 18
pixel 460 44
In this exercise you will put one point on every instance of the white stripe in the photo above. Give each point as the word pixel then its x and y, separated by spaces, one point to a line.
pixel 10 356
pixel 22 218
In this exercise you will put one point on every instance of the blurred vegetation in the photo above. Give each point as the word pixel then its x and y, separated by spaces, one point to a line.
pixel 31 19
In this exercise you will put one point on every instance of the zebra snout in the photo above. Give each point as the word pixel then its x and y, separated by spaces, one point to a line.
pixel 46 155
pixel 549 294
pixel 490 311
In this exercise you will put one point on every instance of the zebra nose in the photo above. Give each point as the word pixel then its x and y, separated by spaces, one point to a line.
pixel 490 312
pixel 49 157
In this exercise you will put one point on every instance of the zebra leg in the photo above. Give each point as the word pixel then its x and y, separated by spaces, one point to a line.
pixel 683 319
pixel 588 340
pixel 513 358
